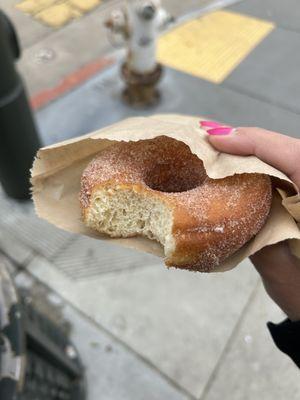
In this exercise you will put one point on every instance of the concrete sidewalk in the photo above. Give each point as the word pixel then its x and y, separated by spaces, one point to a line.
pixel 145 332
pixel 50 54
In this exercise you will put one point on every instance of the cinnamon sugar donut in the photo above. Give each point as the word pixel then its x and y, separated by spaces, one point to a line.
pixel 158 189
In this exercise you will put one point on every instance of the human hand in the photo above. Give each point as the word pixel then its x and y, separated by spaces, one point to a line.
pixel 278 267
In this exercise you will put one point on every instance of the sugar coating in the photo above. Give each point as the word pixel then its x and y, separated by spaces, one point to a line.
pixel 213 218
pixel 153 162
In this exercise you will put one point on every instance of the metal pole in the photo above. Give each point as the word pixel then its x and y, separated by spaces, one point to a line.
pixel 19 139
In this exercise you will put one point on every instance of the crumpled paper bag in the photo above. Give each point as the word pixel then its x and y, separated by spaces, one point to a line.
pixel 57 170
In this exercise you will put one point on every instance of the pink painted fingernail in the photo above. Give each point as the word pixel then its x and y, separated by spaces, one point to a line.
pixel 209 124
pixel 220 131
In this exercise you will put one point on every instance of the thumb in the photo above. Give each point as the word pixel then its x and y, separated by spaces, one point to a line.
pixel 280 151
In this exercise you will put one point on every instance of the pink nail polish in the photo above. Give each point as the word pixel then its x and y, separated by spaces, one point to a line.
pixel 209 124
pixel 220 131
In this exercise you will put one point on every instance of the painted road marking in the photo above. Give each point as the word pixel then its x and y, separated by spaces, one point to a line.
pixel 57 13
pixel 70 81
pixel 212 46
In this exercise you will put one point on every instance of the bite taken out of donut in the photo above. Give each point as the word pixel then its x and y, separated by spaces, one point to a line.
pixel 158 189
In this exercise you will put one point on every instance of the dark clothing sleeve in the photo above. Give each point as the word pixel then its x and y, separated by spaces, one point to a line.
pixel 286 336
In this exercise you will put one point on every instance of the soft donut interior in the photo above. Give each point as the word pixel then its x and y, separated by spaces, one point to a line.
pixel 130 196
pixel 127 212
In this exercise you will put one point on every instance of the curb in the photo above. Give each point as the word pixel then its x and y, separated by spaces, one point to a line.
pixel 70 82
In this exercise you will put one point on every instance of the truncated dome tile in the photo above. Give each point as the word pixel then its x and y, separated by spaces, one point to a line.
pixel 85 5
pixel 34 6
pixel 56 15
pixel 211 47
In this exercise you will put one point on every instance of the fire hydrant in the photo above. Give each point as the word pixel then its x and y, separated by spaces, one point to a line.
pixel 138 24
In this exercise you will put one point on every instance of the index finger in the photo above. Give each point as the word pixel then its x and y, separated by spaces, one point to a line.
pixel 280 151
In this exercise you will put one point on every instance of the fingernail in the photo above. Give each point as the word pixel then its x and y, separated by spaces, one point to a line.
pixel 209 124
pixel 220 131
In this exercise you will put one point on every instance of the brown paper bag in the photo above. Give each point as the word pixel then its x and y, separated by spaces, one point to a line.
pixel 57 170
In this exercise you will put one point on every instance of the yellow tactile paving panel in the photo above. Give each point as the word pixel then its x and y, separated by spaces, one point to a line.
pixel 56 13
pixel 212 46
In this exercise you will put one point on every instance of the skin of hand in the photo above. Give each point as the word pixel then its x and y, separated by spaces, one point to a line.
pixel 277 266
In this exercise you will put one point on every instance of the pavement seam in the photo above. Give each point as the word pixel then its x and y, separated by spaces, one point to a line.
pixel 104 6
pixel 230 341
pixel 264 17
pixel 107 332
pixel 217 5
pixel 42 98
pixel 19 265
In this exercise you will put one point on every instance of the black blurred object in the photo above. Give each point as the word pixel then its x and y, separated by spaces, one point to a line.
pixel 19 139
pixel 286 337
pixel 37 360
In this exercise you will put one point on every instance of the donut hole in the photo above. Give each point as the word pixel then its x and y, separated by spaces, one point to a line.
pixel 170 177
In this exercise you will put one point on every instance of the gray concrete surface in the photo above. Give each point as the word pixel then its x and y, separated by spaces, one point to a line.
pixel 29 30
pixel 176 320
pixel 274 76
pixel 70 47
pixel 113 371
pixel 32 31
pixel 145 332
pixel 250 362
pixel 77 43
pixel 285 14
pixel 181 93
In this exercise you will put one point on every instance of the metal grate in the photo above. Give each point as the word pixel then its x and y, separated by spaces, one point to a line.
pixel 20 222
pixel 85 257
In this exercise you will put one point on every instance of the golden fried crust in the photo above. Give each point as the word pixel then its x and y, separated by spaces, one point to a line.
pixel 218 218
pixel 211 218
